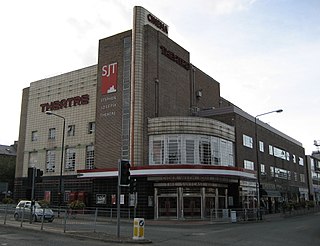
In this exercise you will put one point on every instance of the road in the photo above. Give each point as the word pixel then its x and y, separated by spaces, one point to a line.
pixel 294 231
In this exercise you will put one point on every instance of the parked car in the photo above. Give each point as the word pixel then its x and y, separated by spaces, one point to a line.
pixel 24 209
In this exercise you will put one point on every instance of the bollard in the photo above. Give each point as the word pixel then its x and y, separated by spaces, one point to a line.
pixel 138 228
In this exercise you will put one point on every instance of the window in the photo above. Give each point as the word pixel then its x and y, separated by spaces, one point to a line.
pixel 157 151
pixel 70 159
pixel 295 176
pixel 248 165
pixel 52 133
pixel 301 161
pixel 50 159
pixel 288 156
pixel 190 149
pixel 90 157
pixel 262 169
pixel 280 153
pixel 270 150
pixel 281 173
pixel 271 171
pixel 71 130
pixel 34 136
pixel 247 141
pixel 302 178
pixel 91 127
pixel 261 146
pixel 294 159
pixel 205 151
pixel 173 150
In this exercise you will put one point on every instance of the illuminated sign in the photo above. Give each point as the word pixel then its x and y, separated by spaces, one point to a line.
pixel 158 23
pixel 65 103
pixel 172 56
pixel 109 78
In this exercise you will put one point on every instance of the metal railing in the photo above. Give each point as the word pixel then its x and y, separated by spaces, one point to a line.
pixel 82 220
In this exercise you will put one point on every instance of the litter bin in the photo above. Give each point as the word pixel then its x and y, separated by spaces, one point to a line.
pixel 233 215
pixel 138 228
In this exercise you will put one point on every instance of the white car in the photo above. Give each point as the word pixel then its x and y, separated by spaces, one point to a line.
pixel 23 209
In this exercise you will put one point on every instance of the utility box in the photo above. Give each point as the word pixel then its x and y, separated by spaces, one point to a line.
pixel 138 228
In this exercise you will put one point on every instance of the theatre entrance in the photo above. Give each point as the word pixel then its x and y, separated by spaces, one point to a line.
pixel 188 202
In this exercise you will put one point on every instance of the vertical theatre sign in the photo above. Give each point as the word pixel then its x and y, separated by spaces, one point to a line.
pixel 109 75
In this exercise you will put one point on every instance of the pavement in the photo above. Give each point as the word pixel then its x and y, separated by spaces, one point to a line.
pixel 105 237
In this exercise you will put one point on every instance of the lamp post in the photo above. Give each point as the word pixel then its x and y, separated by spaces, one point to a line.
pixel 61 161
pixel 257 153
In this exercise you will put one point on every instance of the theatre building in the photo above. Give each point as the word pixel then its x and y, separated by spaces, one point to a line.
pixel 145 102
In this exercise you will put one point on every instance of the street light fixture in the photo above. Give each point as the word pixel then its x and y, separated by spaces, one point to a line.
pixel 257 153
pixel 61 161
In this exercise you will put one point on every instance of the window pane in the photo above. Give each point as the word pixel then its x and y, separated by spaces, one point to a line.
pixel 70 159
pixel 34 136
pixel 71 130
pixel 51 157
pixel 247 141
pixel 90 157
pixel 190 148
pixel 52 133
pixel 158 150
pixel 205 152
pixel 173 151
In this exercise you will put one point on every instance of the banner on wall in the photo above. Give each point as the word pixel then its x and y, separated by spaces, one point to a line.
pixel 109 78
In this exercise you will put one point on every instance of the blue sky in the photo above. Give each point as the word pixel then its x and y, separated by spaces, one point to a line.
pixel 264 53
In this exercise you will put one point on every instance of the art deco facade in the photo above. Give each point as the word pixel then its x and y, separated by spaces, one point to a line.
pixel 191 151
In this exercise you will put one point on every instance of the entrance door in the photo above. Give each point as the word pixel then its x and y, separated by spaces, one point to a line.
pixel 192 207
pixel 210 206
pixel 167 206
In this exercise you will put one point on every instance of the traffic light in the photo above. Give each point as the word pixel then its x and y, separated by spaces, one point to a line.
pixel 133 186
pixel 124 173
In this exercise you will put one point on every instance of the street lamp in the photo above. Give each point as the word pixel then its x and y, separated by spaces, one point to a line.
pixel 257 153
pixel 61 161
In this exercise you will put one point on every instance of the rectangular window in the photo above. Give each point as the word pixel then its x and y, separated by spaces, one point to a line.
pixel 51 160
pixel 247 141
pixel 295 176
pixel 294 159
pixel 91 127
pixel 71 130
pixel 34 136
pixel 52 133
pixel 301 161
pixel 173 151
pixel 302 178
pixel 70 163
pixel 280 153
pixel 205 151
pixel 288 156
pixel 248 165
pixel 261 146
pixel 270 150
pixel 190 148
pixel 90 157
pixel 157 151
pixel 262 169
pixel 271 171
pixel 289 175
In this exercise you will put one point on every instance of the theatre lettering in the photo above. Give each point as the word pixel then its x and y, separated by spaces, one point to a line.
pixel 65 103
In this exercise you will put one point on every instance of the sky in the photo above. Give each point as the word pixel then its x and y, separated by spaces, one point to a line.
pixel 264 53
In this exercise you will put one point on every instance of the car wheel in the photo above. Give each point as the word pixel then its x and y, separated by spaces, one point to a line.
pixel 16 216
pixel 51 220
